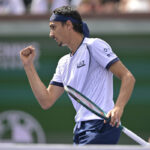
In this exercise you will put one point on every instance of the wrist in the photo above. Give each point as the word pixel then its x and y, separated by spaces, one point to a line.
pixel 119 106
pixel 28 66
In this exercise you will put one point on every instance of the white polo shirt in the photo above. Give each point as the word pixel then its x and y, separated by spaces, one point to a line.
pixel 88 72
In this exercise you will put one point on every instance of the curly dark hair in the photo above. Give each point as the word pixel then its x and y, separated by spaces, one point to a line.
pixel 70 12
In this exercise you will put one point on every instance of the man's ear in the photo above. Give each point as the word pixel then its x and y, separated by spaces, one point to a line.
pixel 69 24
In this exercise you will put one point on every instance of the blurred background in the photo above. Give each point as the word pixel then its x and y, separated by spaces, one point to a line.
pixel 124 24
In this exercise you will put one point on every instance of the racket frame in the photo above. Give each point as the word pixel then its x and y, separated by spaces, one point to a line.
pixel 128 132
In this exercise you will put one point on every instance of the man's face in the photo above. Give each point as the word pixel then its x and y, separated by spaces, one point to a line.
pixel 58 32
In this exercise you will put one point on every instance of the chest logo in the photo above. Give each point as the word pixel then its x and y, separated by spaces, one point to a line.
pixel 81 64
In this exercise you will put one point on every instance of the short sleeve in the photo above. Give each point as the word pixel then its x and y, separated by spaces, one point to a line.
pixel 57 78
pixel 102 53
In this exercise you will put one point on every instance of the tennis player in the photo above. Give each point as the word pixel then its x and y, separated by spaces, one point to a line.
pixel 89 68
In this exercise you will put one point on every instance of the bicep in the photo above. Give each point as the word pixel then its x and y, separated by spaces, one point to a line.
pixel 55 92
pixel 118 69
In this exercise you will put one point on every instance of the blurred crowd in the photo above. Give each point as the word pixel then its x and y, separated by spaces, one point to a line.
pixel 85 7
pixel 114 6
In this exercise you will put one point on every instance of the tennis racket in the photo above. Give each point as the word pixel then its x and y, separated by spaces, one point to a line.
pixel 87 103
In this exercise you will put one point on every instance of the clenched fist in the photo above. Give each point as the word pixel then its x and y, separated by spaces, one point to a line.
pixel 27 55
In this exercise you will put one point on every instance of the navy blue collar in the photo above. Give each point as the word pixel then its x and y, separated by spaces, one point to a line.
pixel 77 48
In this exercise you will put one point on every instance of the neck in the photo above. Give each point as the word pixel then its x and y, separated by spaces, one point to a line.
pixel 75 42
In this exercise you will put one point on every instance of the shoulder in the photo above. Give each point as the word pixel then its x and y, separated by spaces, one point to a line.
pixel 96 42
pixel 64 59
pixel 101 51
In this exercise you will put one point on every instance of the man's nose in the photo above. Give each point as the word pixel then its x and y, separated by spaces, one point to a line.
pixel 51 34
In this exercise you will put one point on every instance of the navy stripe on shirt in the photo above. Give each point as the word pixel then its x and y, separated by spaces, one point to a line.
pixel 57 83
pixel 112 62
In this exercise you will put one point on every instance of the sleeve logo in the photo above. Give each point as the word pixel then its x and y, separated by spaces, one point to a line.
pixel 107 52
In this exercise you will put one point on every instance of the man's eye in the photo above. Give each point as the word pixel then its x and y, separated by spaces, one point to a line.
pixel 52 27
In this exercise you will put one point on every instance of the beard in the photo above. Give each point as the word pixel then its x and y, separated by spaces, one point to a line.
pixel 61 44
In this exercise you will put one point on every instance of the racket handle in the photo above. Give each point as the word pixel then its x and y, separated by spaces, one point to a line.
pixel 108 119
pixel 135 137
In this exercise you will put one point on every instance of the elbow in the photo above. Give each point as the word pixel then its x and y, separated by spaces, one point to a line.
pixel 45 107
pixel 134 80
pixel 131 78
pixel 45 101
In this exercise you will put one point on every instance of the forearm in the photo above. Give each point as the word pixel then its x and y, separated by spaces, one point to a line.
pixel 126 88
pixel 38 88
pixel 127 85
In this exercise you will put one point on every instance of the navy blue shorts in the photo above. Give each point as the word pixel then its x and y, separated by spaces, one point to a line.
pixel 95 132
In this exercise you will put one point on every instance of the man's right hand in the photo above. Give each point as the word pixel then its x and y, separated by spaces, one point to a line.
pixel 27 55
